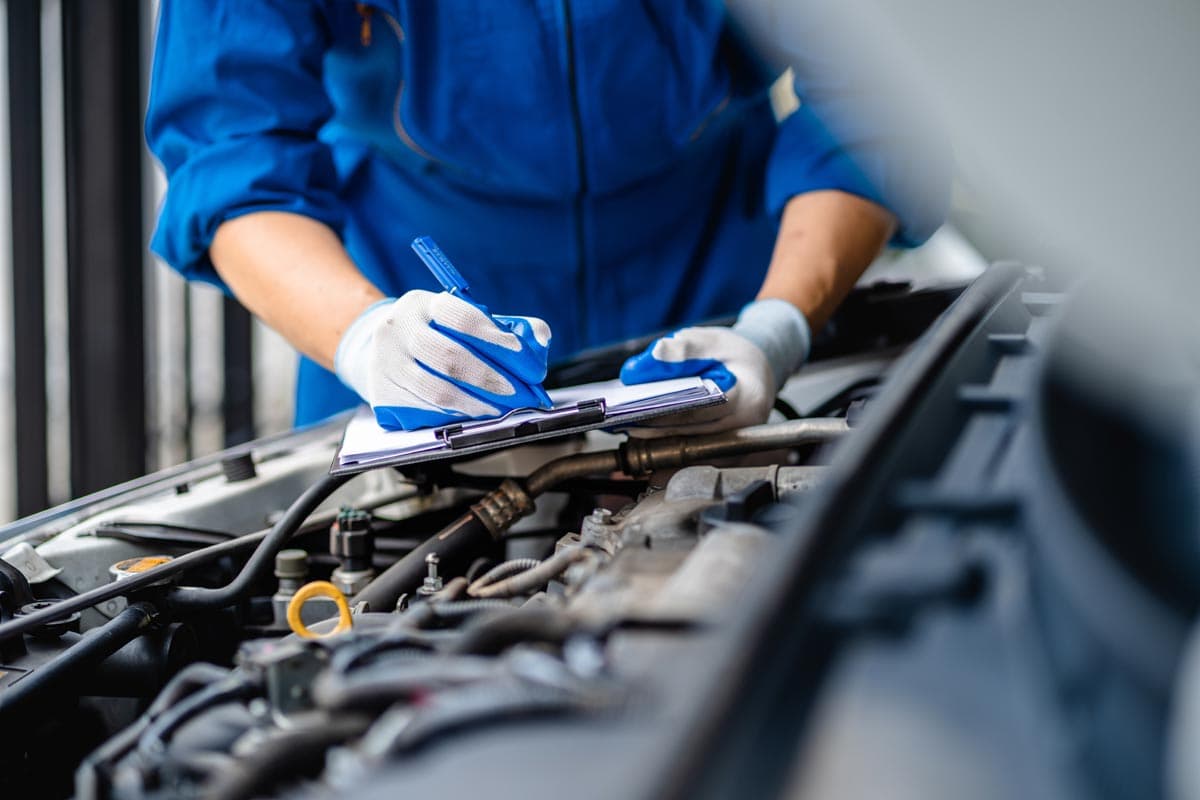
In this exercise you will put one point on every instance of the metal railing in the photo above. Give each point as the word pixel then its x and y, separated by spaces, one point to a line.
pixel 118 366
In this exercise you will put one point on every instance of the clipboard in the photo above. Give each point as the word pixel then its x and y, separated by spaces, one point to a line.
pixel 606 405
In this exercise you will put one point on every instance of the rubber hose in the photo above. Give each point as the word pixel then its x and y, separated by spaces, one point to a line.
pixel 90 779
pixel 529 579
pixel 381 685
pixel 504 570
pixel 299 752
pixel 95 646
pixel 92 597
pixel 500 630
pixel 427 615
pixel 154 738
pixel 262 560
pixel 456 547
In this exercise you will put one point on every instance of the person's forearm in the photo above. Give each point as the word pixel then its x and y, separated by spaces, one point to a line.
pixel 294 274
pixel 826 241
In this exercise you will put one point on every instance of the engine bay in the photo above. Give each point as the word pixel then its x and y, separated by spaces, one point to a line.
pixel 464 600
pixel 604 615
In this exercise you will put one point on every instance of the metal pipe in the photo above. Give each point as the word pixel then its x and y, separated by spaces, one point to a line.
pixel 641 456
pixel 579 465
pixel 499 509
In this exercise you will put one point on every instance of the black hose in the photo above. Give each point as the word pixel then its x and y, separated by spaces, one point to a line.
pixel 93 597
pixel 262 560
pixel 456 547
pixel 385 683
pixel 468 707
pixel 431 614
pixel 502 629
pixel 296 753
pixel 469 536
pixel 187 681
pixel 154 738
pixel 97 645
pixel 353 656
pixel 278 535
pixel 92 775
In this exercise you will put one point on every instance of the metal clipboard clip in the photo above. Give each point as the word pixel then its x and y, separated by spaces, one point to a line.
pixel 460 436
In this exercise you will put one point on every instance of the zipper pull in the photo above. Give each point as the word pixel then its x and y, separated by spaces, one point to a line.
pixel 364 31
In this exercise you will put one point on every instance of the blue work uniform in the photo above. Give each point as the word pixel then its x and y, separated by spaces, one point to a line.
pixel 610 166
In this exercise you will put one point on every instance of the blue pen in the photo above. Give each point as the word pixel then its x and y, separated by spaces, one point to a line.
pixel 532 351
pixel 449 277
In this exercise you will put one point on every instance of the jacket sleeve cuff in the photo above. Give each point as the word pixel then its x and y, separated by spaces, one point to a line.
pixel 235 177
pixel 780 330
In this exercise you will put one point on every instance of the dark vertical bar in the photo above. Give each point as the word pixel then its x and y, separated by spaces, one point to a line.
pixel 28 262
pixel 238 400
pixel 101 55
pixel 189 388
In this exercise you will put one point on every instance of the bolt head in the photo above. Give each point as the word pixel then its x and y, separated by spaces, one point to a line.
pixel 601 516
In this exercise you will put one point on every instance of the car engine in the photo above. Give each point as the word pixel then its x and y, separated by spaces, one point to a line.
pixel 915 580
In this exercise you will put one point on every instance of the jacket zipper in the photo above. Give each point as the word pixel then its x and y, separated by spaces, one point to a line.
pixel 397 120
pixel 716 111
pixel 364 29
pixel 367 12
pixel 581 288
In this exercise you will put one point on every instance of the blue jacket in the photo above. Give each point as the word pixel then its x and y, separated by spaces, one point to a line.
pixel 611 166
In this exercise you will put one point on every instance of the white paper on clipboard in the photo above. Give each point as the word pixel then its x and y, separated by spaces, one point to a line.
pixel 365 444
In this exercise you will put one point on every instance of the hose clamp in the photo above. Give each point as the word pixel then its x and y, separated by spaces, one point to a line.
pixel 503 506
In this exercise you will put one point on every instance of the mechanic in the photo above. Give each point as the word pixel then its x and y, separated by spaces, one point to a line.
pixel 607 168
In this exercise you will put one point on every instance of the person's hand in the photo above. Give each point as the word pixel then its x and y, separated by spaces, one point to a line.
pixel 432 358
pixel 749 362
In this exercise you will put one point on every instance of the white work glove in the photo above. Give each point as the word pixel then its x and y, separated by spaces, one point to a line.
pixel 749 362
pixel 431 358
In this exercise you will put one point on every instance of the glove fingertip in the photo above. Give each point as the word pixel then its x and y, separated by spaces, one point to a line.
pixel 721 376
pixel 541 331
pixel 533 332
pixel 406 418
pixel 633 372
pixel 542 396
pixel 645 368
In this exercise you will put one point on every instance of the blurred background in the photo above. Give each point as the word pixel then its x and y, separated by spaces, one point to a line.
pixel 110 364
